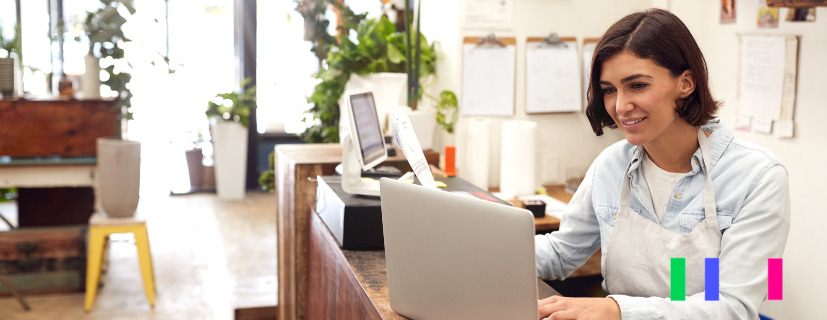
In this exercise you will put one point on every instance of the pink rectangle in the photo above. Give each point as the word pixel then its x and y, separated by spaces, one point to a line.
pixel 775 279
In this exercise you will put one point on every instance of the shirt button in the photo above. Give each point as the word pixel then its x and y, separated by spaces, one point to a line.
pixel 677 195
pixel 697 163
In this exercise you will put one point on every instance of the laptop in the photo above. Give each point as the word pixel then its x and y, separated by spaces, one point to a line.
pixel 451 256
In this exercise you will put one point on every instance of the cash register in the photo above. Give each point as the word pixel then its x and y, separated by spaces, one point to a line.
pixel 349 204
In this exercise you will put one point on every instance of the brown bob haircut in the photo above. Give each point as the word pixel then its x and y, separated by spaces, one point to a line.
pixel 660 36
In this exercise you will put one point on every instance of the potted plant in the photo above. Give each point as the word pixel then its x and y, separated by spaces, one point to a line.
pixel 229 115
pixel 421 61
pixel 376 60
pixel 119 160
pixel 267 179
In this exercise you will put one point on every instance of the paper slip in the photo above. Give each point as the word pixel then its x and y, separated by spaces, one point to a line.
pixel 784 128
pixel 762 125
pixel 407 141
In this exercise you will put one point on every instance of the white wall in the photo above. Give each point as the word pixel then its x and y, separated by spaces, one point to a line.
pixel 569 137
pixel 804 156
pixel 565 136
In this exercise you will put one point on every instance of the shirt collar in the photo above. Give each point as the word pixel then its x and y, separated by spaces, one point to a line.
pixel 720 135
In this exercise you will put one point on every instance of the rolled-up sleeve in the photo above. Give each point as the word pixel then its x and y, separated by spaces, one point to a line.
pixel 561 252
pixel 758 232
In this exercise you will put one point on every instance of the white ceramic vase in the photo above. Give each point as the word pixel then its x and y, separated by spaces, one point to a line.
pixel 9 78
pixel 230 152
pixel 119 176
pixel 424 125
pixel 90 84
pixel 388 92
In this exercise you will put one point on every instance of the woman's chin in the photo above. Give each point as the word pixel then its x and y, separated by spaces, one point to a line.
pixel 634 139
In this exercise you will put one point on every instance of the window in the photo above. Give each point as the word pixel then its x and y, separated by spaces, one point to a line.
pixel 285 67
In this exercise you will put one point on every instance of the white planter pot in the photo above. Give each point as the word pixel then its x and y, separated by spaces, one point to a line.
pixel 10 78
pixel 90 84
pixel 424 125
pixel 388 93
pixel 230 152
pixel 119 176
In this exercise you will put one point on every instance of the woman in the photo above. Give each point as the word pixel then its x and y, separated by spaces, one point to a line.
pixel 679 186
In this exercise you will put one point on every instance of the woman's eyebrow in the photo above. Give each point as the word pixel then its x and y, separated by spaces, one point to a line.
pixel 627 79
pixel 633 77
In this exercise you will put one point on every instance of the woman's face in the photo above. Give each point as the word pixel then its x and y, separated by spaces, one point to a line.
pixel 640 96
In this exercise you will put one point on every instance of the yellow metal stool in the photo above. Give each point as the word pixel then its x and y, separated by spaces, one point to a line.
pixel 101 227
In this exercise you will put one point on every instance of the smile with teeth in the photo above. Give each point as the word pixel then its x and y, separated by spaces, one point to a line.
pixel 629 123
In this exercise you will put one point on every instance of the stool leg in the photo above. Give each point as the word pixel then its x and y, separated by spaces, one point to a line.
pixel 93 265
pixel 142 242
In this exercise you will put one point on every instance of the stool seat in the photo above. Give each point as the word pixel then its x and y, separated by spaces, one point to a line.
pixel 100 227
pixel 99 219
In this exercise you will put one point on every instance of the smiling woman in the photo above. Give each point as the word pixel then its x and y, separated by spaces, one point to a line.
pixel 680 186
pixel 643 104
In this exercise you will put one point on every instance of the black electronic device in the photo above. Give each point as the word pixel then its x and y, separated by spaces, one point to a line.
pixel 356 221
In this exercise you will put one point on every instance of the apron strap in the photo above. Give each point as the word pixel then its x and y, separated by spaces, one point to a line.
pixel 709 192
pixel 626 185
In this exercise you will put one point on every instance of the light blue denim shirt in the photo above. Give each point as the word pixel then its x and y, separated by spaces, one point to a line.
pixel 753 204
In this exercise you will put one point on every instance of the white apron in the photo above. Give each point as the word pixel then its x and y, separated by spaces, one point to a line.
pixel 638 258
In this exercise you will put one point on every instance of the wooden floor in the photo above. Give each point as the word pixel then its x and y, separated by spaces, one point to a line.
pixel 205 251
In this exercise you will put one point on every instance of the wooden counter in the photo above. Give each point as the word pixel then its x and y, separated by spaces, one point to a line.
pixel 297 166
pixel 351 284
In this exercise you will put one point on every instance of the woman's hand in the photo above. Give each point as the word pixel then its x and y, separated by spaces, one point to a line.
pixel 562 308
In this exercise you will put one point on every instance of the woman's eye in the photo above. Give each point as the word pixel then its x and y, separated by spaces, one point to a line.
pixel 607 91
pixel 639 85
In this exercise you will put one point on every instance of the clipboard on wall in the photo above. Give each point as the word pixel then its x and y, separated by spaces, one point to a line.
pixel 488 76
pixel 589 45
pixel 552 75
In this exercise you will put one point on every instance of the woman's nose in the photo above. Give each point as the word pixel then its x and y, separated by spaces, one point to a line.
pixel 622 104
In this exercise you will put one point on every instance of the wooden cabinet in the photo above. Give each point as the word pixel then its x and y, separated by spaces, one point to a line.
pixel 44 260
pixel 65 128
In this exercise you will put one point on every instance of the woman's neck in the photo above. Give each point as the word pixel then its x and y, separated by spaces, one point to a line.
pixel 673 150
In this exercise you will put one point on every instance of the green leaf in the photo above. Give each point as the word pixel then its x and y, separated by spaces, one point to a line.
pixel 394 55
pixel 129 6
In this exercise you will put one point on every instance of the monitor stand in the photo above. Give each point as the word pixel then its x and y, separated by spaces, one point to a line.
pixel 352 172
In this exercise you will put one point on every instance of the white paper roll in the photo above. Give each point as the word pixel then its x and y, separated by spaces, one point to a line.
pixel 476 154
pixel 517 161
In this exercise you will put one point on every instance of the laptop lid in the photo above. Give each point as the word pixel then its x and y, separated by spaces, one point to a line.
pixel 450 256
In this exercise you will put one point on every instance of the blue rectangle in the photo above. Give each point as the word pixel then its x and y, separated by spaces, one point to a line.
pixel 711 276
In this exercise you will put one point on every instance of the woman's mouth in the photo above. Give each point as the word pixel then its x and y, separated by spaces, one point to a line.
pixel 632 123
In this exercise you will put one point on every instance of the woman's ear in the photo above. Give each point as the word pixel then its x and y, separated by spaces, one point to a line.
pixel 686 84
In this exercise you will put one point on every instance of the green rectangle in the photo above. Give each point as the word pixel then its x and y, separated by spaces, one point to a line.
pixel 678 277
pixel 28 283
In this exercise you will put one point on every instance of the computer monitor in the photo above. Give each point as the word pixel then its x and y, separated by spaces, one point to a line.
pixel 364 145
pixel 364 124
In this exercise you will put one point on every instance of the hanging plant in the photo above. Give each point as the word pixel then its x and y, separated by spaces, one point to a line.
pixel 103 27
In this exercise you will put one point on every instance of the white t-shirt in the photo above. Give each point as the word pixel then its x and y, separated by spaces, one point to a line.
pixel 661 183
